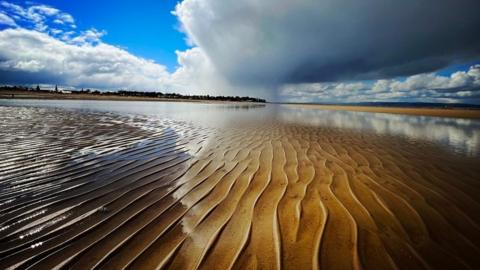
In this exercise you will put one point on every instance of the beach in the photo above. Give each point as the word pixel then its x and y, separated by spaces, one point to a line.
pixel 91 189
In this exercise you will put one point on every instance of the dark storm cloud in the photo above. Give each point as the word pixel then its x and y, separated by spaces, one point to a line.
pixel 275 42
pixel 26 77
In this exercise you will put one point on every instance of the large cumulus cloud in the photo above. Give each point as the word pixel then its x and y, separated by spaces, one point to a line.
pixel 28 56
pixel 281 41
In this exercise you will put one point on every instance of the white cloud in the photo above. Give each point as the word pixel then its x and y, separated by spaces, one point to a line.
pixel 427 87
pixel 196 72
pixel 89 36
pixel 13 8
pixel 64 18
pixel 43 9
pixel 100 65
pixel 38 16
pixel 55 31
pixel 6 20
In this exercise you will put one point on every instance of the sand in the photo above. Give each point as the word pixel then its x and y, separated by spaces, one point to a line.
pixel 98 190
pixel 440 112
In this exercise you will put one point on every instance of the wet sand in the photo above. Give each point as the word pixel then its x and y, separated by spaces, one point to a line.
pixel 447 112
pixel 109 191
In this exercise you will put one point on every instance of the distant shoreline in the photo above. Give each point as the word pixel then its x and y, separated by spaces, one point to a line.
pixel 451 112
pixel 45 95
pixel 469 113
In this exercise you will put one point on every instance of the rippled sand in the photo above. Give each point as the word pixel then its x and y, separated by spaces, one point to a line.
pixel 110 191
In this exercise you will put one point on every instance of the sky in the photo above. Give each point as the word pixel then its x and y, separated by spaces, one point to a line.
pixel 144 28
pixel 325 51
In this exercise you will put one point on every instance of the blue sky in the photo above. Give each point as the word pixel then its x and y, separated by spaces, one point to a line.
pixel 284 51
pixel 144 27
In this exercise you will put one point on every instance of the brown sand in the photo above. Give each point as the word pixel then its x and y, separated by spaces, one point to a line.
pixel 447 112
pixel 91 191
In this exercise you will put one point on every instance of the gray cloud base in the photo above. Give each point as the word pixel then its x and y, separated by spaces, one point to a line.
pixel 272 42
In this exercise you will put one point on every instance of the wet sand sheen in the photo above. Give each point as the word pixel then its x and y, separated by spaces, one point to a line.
pixel 113 192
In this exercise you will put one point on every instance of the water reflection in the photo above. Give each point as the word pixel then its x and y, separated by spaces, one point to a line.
pixel 462 135
pixel 212 115
pixel 459 135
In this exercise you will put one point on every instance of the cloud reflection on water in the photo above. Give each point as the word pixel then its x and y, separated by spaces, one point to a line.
pixel 460 135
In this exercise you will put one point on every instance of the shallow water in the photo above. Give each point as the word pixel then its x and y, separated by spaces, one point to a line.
pixel 458 135
pixel 142 185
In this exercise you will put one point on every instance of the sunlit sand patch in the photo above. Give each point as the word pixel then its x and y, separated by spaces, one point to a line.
pixel 111 191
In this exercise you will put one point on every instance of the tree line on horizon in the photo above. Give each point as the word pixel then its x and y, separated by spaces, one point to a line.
pixel 127 93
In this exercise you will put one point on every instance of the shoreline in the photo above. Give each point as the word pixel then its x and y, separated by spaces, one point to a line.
pixel 421 111
pixel 466 113
pixel 119 98
pixel 106 97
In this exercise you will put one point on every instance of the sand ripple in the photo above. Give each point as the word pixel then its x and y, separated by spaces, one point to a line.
pixel 90 190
